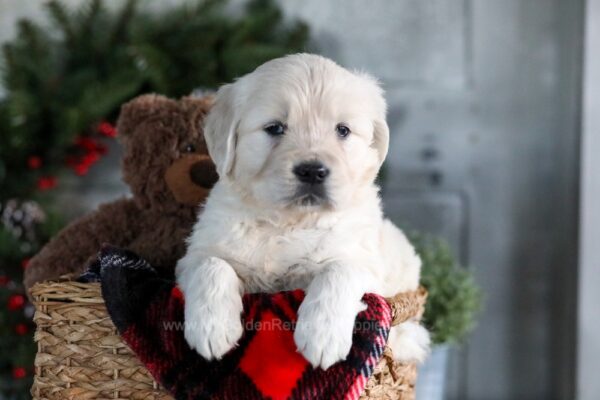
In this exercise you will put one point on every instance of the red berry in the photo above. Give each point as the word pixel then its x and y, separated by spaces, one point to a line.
pixel 46 182
pixel 91 157
pixel 34 162
pixel 86 143
pixel 101 149
pixel 19 372
pixel 107 129
pixel 21 329
pixel 16 302
pixel 25 263
pixel 81 169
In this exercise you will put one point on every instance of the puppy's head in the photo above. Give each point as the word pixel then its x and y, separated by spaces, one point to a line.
pixel 300 133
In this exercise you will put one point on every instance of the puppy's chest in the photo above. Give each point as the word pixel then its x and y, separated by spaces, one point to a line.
pixel 280 259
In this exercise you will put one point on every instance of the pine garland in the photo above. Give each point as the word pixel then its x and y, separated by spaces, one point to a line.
pixel 62 81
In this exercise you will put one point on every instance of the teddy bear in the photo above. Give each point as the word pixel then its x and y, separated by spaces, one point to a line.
pixel 168 169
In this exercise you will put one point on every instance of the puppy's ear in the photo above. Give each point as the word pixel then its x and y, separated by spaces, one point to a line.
pixel 381 131
pixel 381 138
pixel 220 130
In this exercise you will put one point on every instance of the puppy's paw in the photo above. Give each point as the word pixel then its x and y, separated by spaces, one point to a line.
pixel 409 342
pixel 323 337
pixel 213 305
pixel 213 329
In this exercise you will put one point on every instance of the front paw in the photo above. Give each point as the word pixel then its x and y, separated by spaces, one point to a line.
pixel 323 338
pixel 213 329
pixel 409 342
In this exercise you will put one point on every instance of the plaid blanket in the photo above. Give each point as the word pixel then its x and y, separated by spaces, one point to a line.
pixel 148 312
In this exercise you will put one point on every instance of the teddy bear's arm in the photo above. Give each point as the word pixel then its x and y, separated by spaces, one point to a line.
pixel 71 249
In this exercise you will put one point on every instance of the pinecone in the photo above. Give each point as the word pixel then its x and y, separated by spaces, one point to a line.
pixel 21 218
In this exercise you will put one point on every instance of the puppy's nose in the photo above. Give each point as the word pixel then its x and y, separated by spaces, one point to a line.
pixel 311 172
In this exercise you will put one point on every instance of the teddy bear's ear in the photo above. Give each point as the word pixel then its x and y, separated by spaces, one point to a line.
pixel 197 107
pixel 199 102
pixel 220 130
pixel 139 109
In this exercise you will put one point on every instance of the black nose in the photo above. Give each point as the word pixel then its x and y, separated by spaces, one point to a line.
pixel 204 174
pixel 311 172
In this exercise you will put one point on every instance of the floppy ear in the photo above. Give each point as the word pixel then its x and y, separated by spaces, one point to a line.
pixel 381 138
pixel 220 130
pixel 381 131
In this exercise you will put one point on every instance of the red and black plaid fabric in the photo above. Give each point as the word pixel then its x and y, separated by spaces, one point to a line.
pixel 148 312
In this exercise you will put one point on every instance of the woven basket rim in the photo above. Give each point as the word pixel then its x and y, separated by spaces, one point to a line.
pixel 405 306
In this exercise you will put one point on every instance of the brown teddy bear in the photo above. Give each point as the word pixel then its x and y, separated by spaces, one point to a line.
pixel 167 167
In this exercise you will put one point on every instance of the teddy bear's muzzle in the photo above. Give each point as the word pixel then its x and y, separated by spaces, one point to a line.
pixel 191 177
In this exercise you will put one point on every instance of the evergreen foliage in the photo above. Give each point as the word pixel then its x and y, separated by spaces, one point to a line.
pixel 454 298
pixel 62 80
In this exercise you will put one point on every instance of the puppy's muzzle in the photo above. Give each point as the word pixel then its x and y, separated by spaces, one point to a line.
pixel 312 176
pixel 311 172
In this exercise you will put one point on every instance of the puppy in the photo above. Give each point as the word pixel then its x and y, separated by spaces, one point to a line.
pixel 297 144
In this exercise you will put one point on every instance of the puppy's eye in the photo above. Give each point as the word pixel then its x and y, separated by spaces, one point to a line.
pixel 189 148
pixel 342 130
pixel 275 128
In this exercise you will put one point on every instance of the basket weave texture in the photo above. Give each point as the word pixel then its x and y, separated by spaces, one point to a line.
pixel 81 355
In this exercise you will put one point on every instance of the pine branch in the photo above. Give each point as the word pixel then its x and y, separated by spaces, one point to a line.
pixel 124 18
pixel 59 15
pixel 92 10
pixel 87 16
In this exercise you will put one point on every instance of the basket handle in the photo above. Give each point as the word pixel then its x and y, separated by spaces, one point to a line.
pixel 408 306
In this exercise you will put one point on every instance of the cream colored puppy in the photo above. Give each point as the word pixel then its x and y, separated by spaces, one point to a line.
pixel 297 144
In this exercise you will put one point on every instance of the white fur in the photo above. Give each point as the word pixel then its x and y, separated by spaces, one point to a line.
pixel 254 235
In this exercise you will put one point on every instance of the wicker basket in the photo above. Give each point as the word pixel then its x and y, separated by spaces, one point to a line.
pixel 81 356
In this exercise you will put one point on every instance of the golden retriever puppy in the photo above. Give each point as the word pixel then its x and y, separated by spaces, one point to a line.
pixel 297 144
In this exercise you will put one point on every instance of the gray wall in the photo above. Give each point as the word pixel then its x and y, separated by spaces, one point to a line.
pixel 588 384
